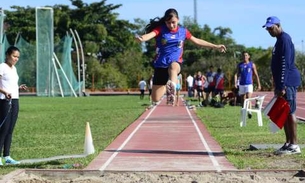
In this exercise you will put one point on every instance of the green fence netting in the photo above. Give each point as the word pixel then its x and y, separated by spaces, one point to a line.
pixel 47 69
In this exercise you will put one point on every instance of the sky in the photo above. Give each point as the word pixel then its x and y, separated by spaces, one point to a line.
pixel 244 17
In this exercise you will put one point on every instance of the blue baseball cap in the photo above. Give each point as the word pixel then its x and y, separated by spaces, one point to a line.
pixel 271 21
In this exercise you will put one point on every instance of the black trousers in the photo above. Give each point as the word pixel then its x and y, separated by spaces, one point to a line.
pixel 8 118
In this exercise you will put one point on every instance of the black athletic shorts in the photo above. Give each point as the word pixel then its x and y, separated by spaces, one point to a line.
pixel 161 75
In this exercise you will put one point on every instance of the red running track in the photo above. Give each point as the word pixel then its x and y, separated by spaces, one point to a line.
pixel 164 138
pixel 300 112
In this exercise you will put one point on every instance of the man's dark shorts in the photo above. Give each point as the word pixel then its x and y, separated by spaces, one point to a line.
pixel 290 96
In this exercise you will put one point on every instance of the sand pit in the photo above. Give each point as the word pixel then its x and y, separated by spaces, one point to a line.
pixel 81 176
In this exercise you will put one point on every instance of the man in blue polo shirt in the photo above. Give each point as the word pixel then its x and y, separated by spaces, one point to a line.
pixel 286 78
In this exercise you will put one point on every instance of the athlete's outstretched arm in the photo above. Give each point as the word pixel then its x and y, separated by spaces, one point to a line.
pixel 145 37
pixel 201 42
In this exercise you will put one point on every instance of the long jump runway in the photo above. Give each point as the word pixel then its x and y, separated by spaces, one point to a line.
pixel 164 138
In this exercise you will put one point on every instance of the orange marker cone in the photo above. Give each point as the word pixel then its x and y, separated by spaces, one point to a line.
pixel 88 147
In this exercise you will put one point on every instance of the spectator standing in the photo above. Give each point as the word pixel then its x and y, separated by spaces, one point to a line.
pixel 219 83
pixel 9 102
pixel 178 89
pixel 190 81
pixel 209 90
pixel 245 71
pixel 142 86
pixel 200 81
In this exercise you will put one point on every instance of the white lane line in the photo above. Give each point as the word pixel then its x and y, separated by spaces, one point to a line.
pixel 125 142
pixel 210 153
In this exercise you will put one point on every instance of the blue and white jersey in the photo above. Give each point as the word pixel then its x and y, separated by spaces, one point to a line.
pixel 245 72
pixel 170 44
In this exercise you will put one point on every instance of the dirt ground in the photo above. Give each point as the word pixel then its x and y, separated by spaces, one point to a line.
pixel 291 176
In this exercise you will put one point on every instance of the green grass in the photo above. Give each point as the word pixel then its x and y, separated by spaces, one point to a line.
pixel 50 127
pixel 223 124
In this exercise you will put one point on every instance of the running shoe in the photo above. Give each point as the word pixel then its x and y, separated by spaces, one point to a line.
pixel 168 94
pixel 170 91
pixel 168 99
pixel 10 161
pixel 282 149
pixel 292 149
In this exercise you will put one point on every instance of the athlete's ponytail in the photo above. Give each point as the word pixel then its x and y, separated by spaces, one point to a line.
pixel 153 23
pixel 156 22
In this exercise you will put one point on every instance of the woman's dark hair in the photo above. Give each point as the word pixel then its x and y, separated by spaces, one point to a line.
pixel 156 22
pixel 153 23
pixel 11 49
pixel 243 52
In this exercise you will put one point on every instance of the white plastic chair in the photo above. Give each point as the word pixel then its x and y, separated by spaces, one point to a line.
pixel 258 110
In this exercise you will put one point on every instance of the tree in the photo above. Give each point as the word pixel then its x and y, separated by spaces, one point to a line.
pixel 96 22
pixel 110 45
pixel 99 29
pixel 21 21
pixel 199 59
pixel 263 68
pixel 130 64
